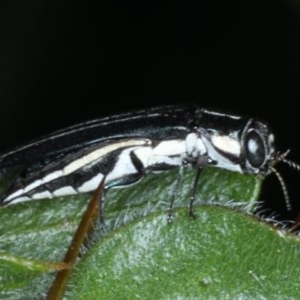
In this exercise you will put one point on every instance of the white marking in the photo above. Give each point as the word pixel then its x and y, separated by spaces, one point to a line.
pixel 220 114
pixel 96 154
pixel 221 161
pixel 271 140
pixel 52 176
pixel 75 165
pixel 148 157
pixel 78 128
pixel 42 195
pixel 90 185
pixel 66 190
pixel 170 148
pixel 226 144
pixel 194 145
pixel 32 185
pixel 171 161
pixel 143 154
pixel 201 149
pixel 18 200
pixel 169 152
pixel 15 194
pixel 124 165
pixel 191 141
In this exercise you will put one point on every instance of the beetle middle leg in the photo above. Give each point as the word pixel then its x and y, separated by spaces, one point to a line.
pixel 200 163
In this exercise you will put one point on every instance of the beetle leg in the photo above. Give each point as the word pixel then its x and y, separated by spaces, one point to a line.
pixel 201 162
pixel 194 189
pixel 174 194
pixel 101 196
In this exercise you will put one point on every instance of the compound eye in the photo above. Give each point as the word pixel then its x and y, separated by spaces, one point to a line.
pixel 255 149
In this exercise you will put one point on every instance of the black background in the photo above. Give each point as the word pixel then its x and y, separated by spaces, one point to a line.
pixel 66 63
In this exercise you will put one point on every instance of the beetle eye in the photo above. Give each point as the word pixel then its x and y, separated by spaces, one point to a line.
pixel 255 150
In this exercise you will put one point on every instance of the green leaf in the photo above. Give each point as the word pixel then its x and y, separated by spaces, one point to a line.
pixel 33 239
pixel 223 254
pixel 42 230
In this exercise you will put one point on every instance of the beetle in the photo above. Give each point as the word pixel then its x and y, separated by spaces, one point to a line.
pixel 121 149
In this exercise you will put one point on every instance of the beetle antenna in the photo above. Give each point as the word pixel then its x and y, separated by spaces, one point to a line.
pixel 283 187
pixel 290 163
pixel 282 157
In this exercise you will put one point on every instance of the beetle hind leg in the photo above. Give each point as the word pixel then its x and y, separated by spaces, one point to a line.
pixel 174 194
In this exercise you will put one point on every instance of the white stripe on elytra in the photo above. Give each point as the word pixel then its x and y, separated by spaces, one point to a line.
pixel 168 152
pixel 89 158
pixel 170 148
pixel 77 164
pixel 80 127
pixel 91 184
pixel 42 195
pixel 66 190
pixel 124 165
pixel 20 199
pixel 220 114
pixel 52 176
